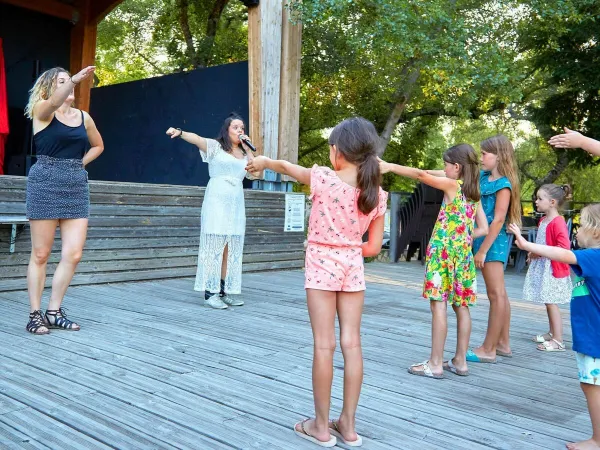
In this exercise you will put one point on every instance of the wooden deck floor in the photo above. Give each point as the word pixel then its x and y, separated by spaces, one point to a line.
pixel 151 368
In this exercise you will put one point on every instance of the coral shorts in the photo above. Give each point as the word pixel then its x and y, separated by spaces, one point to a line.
pixel 334 268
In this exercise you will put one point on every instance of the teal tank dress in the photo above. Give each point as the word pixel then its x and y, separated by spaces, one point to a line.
pixel 500 249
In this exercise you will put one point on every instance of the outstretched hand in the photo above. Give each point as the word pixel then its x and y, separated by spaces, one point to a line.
pixel 570 139
pixel 257 164
pixel 83 74
pixel 384 167
pixel 519 239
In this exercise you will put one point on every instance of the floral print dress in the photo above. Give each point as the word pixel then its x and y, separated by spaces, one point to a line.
pixel 450 270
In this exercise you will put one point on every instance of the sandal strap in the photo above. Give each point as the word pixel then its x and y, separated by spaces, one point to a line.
pixel 60 318
pixel 36 321
pixel 304 429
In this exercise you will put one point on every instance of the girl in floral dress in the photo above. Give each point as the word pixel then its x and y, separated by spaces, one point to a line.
pixel 450 270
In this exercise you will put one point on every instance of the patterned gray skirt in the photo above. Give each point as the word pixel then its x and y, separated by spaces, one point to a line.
pixel 57 189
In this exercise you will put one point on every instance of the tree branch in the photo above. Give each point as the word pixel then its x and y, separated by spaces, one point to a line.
pixel 308 151
pixel 212 25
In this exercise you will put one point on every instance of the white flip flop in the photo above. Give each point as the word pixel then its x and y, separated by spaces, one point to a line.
pixel 333 429
pixel 332 442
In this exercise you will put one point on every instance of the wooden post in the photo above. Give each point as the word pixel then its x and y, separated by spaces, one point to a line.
pixel 274 51
pixel 83 52
pixel 255 77
pixel 289 103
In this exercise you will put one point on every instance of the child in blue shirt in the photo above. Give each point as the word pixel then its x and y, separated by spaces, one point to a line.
pixel 585 308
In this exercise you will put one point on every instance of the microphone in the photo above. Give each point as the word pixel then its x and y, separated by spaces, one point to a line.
pixel 246 141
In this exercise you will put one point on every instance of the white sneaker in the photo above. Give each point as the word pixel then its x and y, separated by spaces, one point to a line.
pixel 232 301
pixel 215 302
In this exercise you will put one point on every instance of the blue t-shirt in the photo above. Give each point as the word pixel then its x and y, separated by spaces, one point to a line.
pixel 585 305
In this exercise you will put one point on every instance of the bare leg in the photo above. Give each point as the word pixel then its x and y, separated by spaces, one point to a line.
pixel 224 264
pixel 350 308
pixel 322 309
pixel 463 334
pixel 42 239
pixel 73 233
pixel 439 331
pixel 592 395
pixel 499 316
pixel 555 319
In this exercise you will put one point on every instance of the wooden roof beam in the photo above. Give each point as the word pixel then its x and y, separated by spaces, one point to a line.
pixel 49 7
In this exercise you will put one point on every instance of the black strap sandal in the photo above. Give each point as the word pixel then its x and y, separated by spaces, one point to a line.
pixel 58 319
pixel 36 324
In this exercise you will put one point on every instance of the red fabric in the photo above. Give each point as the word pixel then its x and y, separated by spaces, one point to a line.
pixel 3 109
pixel 557 235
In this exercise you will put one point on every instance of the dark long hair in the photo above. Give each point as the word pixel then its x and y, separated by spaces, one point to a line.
pixel 223 137
pixel 357 140
pixel 464 155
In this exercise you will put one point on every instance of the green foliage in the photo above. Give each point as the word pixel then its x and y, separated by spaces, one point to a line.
pixel 428 74
pixel 144 38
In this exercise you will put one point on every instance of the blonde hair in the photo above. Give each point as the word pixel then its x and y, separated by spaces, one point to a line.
pixel 590 221
pixel 501 146
pixel 43 88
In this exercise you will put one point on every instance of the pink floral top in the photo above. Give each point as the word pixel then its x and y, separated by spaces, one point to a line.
pixel 335 219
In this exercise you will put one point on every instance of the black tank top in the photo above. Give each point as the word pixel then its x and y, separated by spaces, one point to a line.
pixel 62 141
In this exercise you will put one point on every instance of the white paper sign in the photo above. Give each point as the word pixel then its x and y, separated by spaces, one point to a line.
pixel 294 212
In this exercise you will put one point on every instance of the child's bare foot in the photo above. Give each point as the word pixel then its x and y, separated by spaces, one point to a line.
pixel 590 444
pixel 309 427
pixel 503 350
pixel 345 427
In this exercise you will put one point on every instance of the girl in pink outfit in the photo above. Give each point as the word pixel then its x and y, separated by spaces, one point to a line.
pixel 347 202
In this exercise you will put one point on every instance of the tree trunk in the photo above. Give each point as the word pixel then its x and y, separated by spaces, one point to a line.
pixel 183 6
pixel 205 53
pixel 410 75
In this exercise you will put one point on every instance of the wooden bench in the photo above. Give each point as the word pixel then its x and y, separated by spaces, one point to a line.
pixel 17 225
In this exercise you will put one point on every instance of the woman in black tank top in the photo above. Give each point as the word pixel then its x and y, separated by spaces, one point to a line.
pixel 57 190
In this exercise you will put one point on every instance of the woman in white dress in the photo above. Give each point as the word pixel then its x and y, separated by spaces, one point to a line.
pixel 223 216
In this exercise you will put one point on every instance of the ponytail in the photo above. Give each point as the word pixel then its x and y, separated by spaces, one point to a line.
pixel 357 140
pixel 368 180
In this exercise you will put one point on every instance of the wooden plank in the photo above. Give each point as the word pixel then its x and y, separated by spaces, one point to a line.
pixel 289 103
pixel 16 284
pixel 52 8
pixel 271 17
pixel 83 53
pixel 255 77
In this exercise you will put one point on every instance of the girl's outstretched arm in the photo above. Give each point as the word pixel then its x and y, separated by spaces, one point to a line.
pixel 373 246
pixel 448 185
pixel 260 163
pixel 574 139
pixel 482 223
pixel 436 173
pixel 547 251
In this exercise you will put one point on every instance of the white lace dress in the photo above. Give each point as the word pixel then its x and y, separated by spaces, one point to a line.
pixel 222 221
pixel 540 285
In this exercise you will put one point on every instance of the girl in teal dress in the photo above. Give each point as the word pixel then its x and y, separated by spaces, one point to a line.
pixel 500 198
